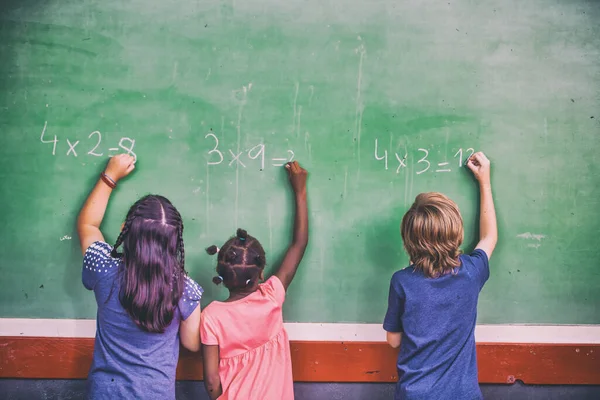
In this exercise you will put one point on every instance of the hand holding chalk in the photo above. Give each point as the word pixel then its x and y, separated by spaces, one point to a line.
pixel 479 164
pixel 297 176
pixel 119 166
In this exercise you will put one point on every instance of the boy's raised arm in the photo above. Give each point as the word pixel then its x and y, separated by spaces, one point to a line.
pixel 488 229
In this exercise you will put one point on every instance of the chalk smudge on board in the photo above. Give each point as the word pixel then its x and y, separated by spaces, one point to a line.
pixel 533 236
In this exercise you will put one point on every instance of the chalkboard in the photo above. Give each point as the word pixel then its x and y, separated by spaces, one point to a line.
pixel 379 100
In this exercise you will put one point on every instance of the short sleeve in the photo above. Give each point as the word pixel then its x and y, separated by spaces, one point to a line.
pixel 97 263
pixel 208 334
pixel 274 289
pixel 481 266
pixel 393 316
pixel 190 298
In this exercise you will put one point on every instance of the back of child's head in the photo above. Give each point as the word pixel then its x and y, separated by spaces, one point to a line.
pixel 240 261
pixel 152 280
pixel 432 231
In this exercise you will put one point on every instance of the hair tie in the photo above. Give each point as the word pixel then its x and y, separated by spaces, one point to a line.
pixel 248 282
pixel 242 239
pixel 217 249
pixel 220 278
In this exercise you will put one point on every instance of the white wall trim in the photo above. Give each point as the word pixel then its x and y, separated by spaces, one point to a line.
pixel 558 334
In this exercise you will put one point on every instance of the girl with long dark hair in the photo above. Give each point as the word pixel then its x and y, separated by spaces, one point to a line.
pixel 146 302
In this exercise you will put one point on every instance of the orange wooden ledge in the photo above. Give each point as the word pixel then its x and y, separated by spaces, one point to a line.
pixel 70 358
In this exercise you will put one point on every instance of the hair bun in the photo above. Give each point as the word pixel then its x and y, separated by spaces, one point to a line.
pixel 217 280
pixel 241 234
pixel 212 250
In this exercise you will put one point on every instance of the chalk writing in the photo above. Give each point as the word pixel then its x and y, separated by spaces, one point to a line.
pixel 443 164
pixel 215 150
pixel 72 147
pixel 239 158
pixel 259 152
pixel 125 144
pixel 401 162
pixel 236 158
pixel 129 149
pixel 384 157
pixel 422 160
pixel 531 236
pixel 460 154
pixel 92 151
pixel 55 141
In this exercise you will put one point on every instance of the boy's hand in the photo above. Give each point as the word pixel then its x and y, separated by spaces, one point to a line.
pixel 297 176
pixel 479 164
pixel 119 166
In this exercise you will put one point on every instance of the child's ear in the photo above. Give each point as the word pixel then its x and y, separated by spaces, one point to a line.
pixel 262 275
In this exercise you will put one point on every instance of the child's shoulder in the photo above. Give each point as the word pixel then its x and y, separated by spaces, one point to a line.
pixel 99 250
pixel 192 287
pixel 403 273
pixel 210 314
pixel 477 255
pixel 274 289
pixel 98 257
pixel 99 265
pixel 190 297
pixel 403 278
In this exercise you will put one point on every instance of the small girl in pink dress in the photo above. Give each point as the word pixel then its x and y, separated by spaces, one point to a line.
pixel 246 351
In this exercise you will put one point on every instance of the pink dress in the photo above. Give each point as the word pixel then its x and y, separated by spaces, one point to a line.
pixel 255 360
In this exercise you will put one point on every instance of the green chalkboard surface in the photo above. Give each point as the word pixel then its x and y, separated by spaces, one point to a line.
pixel 379 100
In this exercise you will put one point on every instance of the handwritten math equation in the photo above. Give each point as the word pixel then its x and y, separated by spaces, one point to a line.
pixel 239 158
pixel 425 162
pixel 92 145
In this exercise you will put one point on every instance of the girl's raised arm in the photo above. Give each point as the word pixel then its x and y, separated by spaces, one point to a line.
pixel 92 212
pixel 295 252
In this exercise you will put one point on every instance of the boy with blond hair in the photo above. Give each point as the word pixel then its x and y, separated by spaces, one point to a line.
pixel 432 306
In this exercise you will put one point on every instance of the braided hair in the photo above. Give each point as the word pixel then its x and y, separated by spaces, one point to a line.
pixel 240 261
pixel 153 269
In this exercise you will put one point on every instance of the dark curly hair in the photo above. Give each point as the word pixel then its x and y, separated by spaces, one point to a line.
pixel 240 261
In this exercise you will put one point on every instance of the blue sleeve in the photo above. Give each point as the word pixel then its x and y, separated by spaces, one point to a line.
pixel 97 263
pixel 393 316
pixel 481 266
pixel 190 298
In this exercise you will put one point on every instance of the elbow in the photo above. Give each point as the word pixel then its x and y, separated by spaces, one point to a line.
pixel 81 220
pixel 82 226
pixel 193 349
pixel 212 383
pixel 193 346
pixel 495 240
pixel 394 339
pixel 191 342
pixel 79 225
pixel 491 239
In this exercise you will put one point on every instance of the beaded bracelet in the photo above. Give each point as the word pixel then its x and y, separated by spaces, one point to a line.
pixel 108 180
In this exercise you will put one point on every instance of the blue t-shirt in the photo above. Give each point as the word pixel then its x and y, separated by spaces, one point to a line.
pixel 130 363
pixel 437 317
